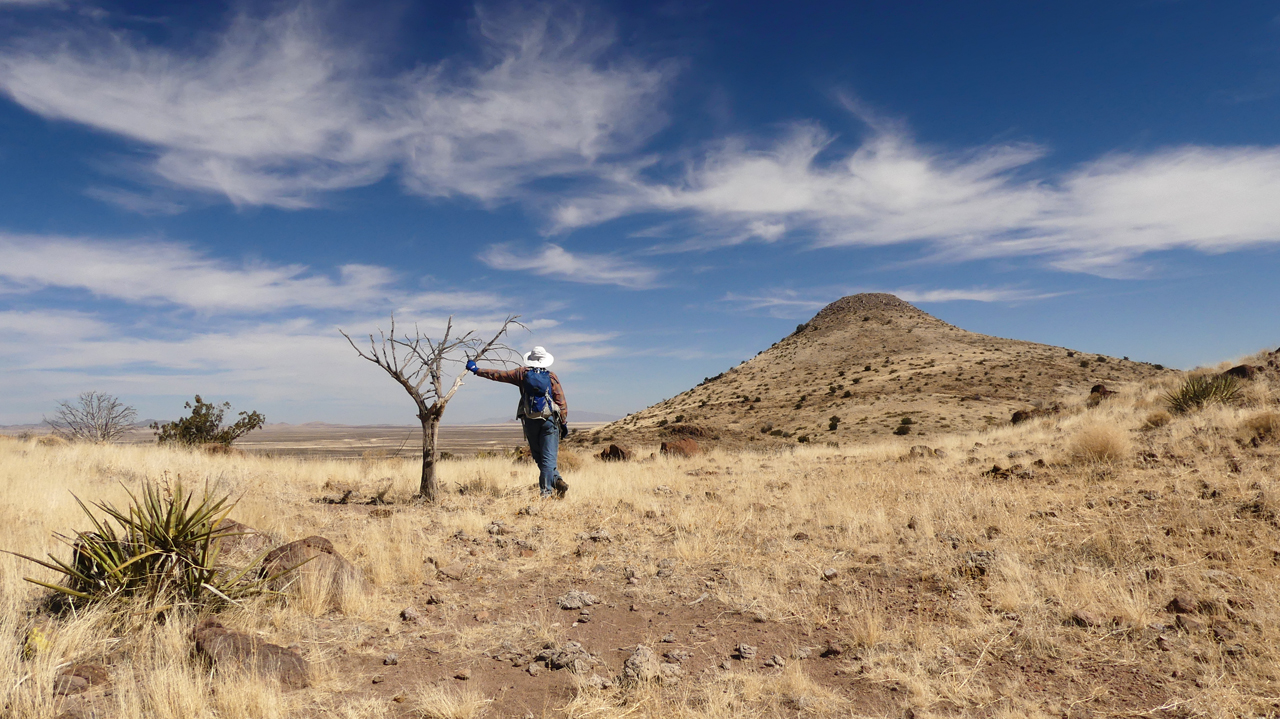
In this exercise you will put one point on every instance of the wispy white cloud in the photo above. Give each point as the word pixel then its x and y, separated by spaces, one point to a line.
pixel 555 261
pixel 986 202
pixel 169 273
pixel 279 109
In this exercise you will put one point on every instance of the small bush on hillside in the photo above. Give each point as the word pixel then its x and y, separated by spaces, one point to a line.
pixel 1100 443
pixel 1158 419
pixel 1264 427
pixel 568 461
pixel 907 420
pixel 902 429
pixel 833 424
pixel 204 425
pixel 161 549
pixel 1203 390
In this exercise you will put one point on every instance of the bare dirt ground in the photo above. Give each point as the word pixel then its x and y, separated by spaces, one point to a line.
pixel 1109 560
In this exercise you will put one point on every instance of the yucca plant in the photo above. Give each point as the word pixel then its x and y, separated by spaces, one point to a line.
pixel 1203 390
pixel 160 550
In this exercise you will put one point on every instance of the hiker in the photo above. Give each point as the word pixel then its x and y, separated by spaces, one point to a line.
pixel 542 411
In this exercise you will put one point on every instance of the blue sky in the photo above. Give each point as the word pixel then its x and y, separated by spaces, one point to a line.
pixel 193 197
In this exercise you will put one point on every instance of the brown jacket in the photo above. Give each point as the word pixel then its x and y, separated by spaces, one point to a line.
pixel 516 377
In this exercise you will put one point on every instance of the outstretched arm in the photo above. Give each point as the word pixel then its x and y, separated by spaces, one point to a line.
pixel 510 376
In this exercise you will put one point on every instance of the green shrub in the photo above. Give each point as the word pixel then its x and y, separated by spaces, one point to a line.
pixel 204 425
pixel 833 424
pixel 907 420
pixel 160 550
pixel 1201 391
pixel 902 429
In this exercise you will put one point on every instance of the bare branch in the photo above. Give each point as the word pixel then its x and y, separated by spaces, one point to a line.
pixel 417 364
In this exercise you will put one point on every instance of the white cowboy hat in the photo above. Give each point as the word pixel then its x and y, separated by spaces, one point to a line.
pixel 538 357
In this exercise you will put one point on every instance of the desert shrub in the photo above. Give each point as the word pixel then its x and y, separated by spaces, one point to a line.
pixel 902 429
pixel 204 425
pixel 1158 418
pixel 1100 443
pixel 568 460
pixel 803 439
pixel 1262 427
pixel 662 422
pixel 907 420
pixel 161 549
pixel 1202 390
pixel 833 424
pixel 92 417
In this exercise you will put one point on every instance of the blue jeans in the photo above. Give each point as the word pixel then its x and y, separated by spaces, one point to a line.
pixel 544 444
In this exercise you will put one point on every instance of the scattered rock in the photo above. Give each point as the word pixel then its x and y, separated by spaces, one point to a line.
pixel 678 655
pixel 800 537
pixel 669 638
pixel 314 560
pixel 499 528
pixel 434 599
pixel 1083 618
pixel 570 655
pixel 641 666
pixel 670 673
pixel 775 661
pixel 1182 604
pixel 1233 650
pixel 238 543
pixel 391 660
pixel 533 669
pixel 829 574
pixel 595 681
pixel 228 650
pixel 411 615
pixel 802 653
pixel 680 448
pixel 68 684
pixel 463 675
pixel 482 616
pixel 744 651
pixel 977 564
pixel 615 454
pixel 1189 625
pixel 454 571
pixel 921 451
pixel 666 567
pixel 576 599
pixel 1243 371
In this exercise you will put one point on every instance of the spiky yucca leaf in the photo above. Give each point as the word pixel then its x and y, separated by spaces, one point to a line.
pixel 161 550
pixel 1201 391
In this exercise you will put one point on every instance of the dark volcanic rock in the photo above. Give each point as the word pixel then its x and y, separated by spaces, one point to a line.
pixel 680 448
pixel 615 454
pixel 235 651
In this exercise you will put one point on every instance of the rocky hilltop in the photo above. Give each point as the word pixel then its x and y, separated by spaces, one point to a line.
pixel 871 365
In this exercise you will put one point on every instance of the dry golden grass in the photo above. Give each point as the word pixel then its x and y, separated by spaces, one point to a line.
pixel 1100 443
pixel 1146 513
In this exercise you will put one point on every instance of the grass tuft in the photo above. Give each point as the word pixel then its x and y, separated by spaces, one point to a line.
pixel 1100 443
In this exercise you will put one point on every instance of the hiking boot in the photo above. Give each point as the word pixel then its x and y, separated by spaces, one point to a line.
pixel 561 488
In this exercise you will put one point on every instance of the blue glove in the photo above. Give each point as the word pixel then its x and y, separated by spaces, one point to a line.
pixel 472 366
pixel 564 430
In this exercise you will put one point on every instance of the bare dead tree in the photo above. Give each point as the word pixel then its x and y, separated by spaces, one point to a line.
pixel 417 363
pixel 92 417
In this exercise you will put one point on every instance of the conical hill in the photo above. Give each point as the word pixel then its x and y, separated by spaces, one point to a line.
pixel 870 364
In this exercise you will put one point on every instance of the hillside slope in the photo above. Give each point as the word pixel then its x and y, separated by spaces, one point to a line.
pixel 871 361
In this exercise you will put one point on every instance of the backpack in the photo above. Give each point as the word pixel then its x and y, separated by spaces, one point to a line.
pixel 535 394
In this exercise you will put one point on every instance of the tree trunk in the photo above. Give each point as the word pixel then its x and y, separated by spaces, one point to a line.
pixel 428 489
